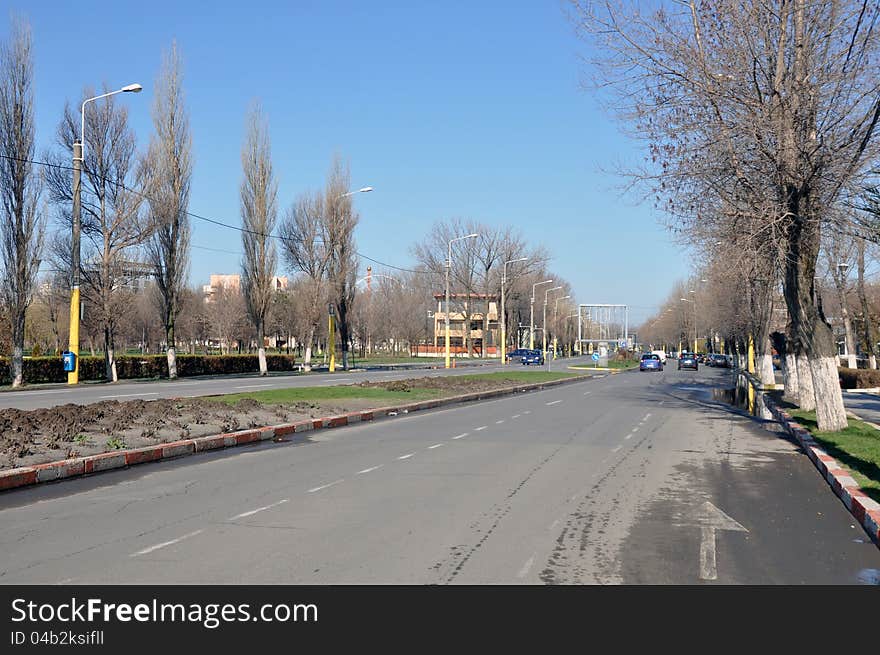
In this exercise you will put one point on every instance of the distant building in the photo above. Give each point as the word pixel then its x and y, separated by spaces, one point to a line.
pixel 477 307
pixel 232 282
pixel 130 275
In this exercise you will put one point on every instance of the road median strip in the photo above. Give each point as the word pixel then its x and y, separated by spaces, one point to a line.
pixel 124 458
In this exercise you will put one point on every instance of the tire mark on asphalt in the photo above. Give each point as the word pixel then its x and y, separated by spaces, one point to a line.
pixel 462 553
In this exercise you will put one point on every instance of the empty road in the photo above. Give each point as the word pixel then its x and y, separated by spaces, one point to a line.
pixel 629 478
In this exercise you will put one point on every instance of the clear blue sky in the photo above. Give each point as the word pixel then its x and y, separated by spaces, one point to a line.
pixel 458 108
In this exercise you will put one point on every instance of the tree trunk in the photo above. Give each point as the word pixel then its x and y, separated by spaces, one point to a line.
pixel 307 358
pixel 790 372
pixel 261 349
pixel 17 365
pixel 867 333
pixel 172 356
pixel 109 356
pixel 765 369
pixel 806 399
pixel 826 384
pixel 814 341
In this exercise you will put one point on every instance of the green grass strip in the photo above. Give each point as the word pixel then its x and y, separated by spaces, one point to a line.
pixel 856 447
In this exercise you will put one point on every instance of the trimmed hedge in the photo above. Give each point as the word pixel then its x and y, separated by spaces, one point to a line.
pixel 858 378
pixel 128 367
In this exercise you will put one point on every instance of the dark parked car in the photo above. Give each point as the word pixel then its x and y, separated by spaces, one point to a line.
pixel 519 353
pixel 688 360
pixel 533 357
pixel 720 361
pixel 650 362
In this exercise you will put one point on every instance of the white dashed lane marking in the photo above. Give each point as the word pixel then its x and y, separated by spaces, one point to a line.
pixel 259 509
pixel 482 427
pixel 436 445
pixel 370 470
pixel 324 486
pixel 406 456
pixel 461 436
pixel 555 402
pixel 165 543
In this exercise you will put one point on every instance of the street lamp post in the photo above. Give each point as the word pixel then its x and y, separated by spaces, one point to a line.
pixel 544 320
pixel 448 267
pixel 555 318
pixel 503 315
pixel 76 226
pixel 532 313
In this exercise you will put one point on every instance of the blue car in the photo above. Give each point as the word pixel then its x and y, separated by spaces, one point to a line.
pixel 650 362
pixel 519 353
pixel 533 357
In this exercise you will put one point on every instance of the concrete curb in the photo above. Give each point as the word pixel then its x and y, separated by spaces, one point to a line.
pixel 863 508
pixel 82 466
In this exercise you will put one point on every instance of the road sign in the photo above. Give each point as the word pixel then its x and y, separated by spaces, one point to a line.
pixel 622 343
pixel 595 357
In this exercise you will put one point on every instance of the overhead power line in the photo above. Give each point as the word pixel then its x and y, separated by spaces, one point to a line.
pixel 200 217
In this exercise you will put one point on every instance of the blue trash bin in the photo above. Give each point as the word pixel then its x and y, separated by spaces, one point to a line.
pixel 69 360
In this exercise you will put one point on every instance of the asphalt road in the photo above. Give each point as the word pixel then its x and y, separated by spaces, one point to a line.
pixel 86 393
pixel 629 478
pixel 863 405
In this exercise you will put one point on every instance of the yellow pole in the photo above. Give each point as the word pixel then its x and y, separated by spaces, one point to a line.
pixel 447 337
pixel 73 376
pixel 331 342
pixel 751 354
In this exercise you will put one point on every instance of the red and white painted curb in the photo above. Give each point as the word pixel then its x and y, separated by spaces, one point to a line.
pixel 864 508
pixel 80 466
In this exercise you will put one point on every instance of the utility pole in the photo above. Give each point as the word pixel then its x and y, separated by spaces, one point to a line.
pixel 73 376
pixel 331 337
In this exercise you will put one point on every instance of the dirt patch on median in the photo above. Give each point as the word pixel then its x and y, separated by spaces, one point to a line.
pixel 29 437
pixel 47 435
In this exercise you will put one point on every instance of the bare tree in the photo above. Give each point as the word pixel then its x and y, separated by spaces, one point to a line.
pixel 225 315
pixel 341 220
pixel 259 212
pixel 305 249
pixel 770 108
pixel 113 225
pixel 168 167
pixel 20 188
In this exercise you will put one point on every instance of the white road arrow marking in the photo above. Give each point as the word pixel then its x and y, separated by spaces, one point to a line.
pixel 710 519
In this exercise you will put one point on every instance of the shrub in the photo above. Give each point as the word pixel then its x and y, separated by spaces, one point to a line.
pixel 860 378
pixel 128 367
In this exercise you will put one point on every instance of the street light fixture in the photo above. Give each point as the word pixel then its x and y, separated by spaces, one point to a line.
pixel 532 313
pixel 448 267
pixel 76 227
pixel 365 189
pixel 503 315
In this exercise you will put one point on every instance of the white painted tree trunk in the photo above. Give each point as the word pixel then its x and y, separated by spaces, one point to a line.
pixel 851 361
pixel 765 369
pixel 872 362
pixel 791 379
pixel 264 369
pixel 806 395
pixel 172 363
pixel 830 412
